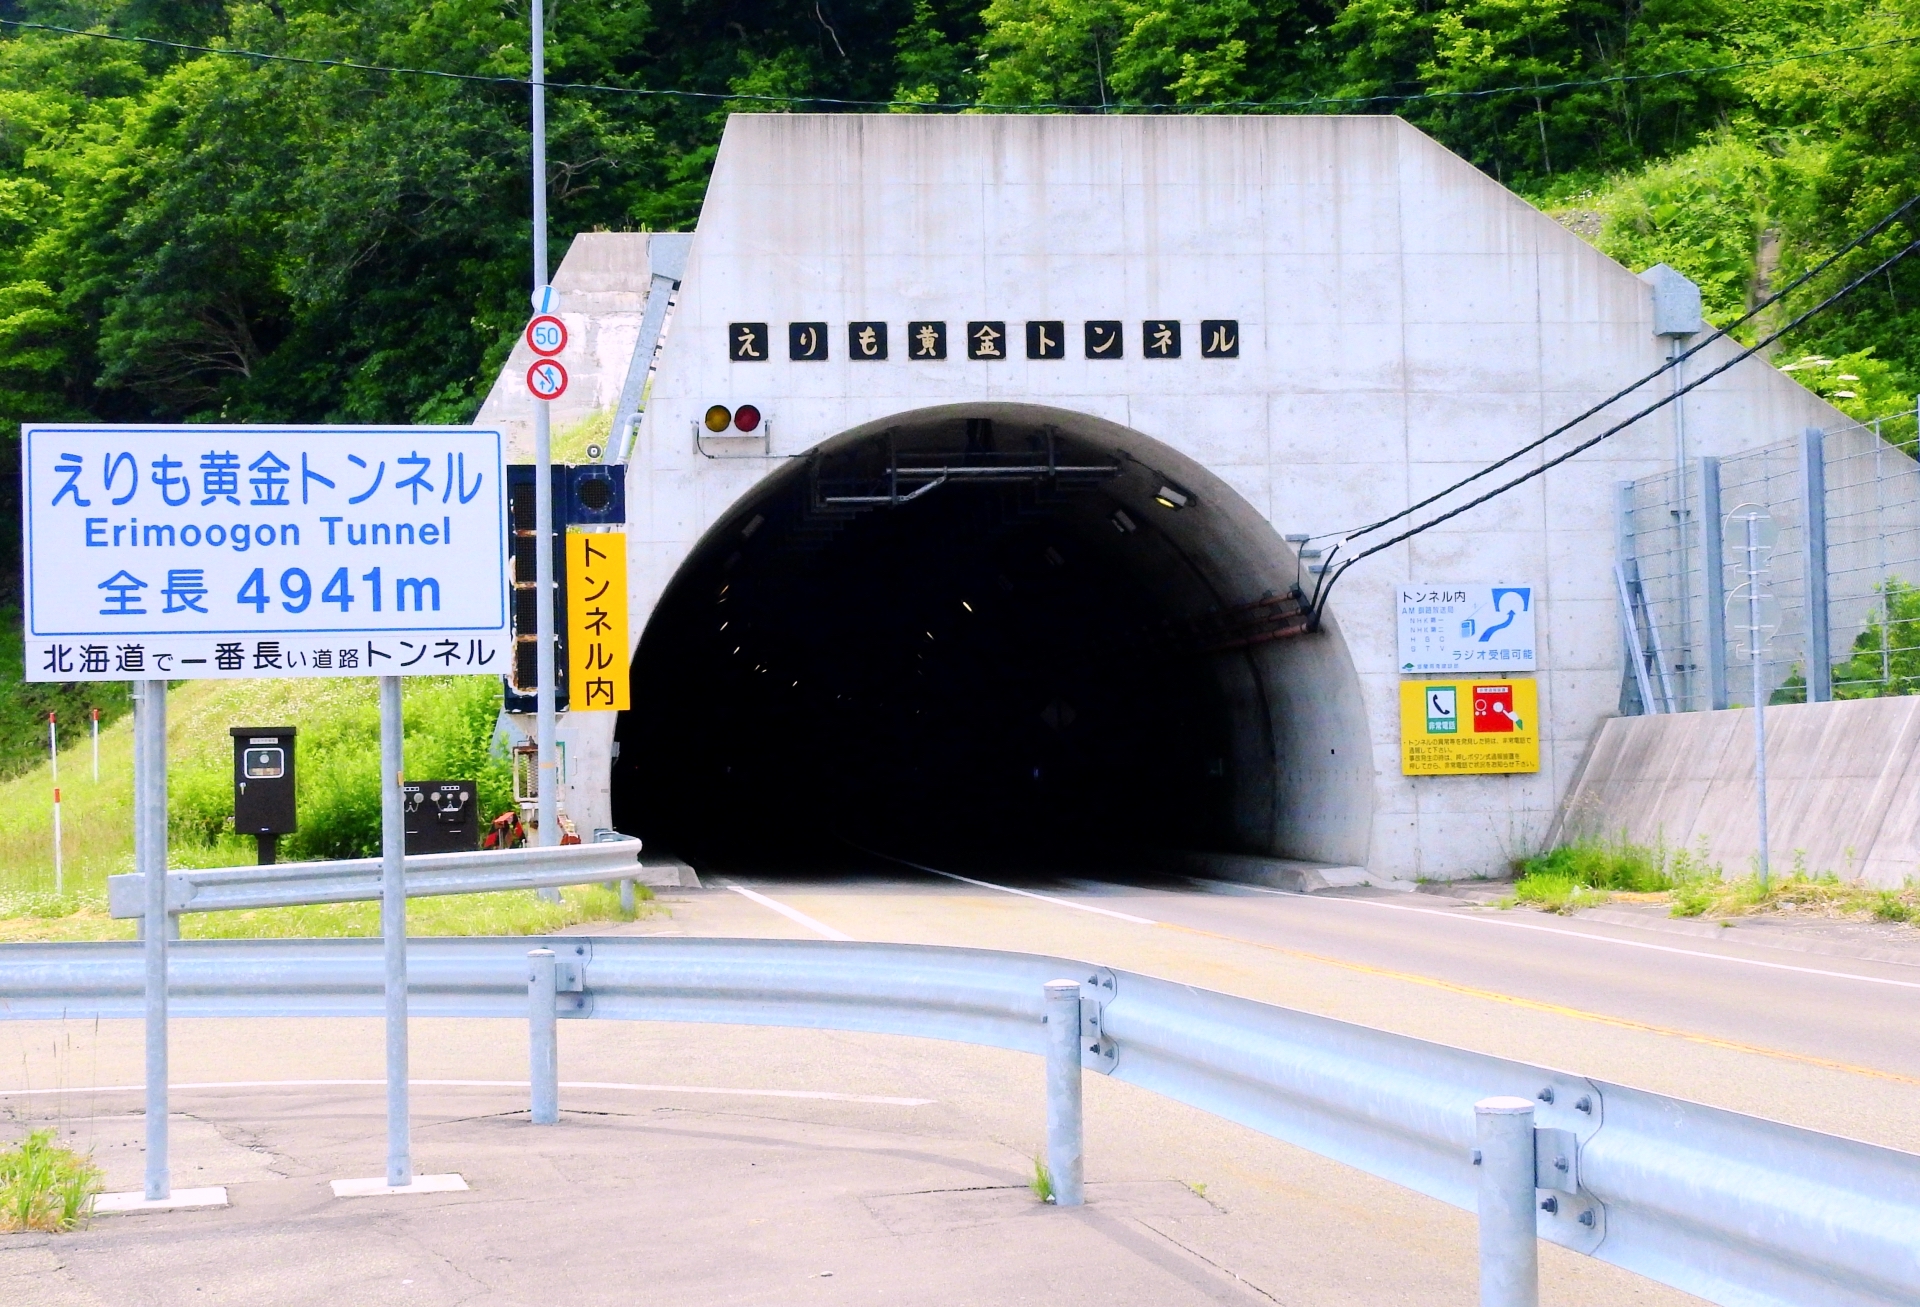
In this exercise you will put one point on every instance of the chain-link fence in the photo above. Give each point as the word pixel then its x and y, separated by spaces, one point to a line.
pixel 1846 579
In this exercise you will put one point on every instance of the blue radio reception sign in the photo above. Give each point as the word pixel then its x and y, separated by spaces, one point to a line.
pixel 208 551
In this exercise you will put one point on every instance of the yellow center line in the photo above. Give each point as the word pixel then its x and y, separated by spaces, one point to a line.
pixel 1555 1009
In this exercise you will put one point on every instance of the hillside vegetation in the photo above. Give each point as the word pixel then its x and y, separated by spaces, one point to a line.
pixel 449 729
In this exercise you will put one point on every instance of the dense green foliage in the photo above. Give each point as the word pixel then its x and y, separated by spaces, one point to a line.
pixel 1886 655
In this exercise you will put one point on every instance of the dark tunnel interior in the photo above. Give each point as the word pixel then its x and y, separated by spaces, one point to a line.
pixel 963 638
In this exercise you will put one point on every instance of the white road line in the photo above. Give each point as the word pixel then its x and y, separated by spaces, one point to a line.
pixel 1571 934
pixel 1025 894
pixel 817 1094
pixel 791 914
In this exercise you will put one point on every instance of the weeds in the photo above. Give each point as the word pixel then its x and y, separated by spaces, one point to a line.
pixel 1590 872
pixel 44 1186
pixel 1042 1182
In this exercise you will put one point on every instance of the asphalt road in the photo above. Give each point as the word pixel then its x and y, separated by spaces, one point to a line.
pixel 1791 1022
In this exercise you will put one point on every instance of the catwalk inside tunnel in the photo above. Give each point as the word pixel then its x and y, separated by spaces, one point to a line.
pixel 971 635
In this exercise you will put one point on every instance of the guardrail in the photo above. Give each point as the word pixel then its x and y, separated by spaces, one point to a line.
pixel 349 880
pixel 1730 1207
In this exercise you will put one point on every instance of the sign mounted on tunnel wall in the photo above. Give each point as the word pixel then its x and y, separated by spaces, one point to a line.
pixel 1463 728
pixel 1462 627
pixel 223 551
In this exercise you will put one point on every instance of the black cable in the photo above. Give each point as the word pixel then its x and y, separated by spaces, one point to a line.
pixel 1658 372
pixel 957 106
pixel 1328 579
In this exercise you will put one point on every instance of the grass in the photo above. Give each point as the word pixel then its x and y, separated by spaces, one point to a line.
pixel 44 1186
pixel 1590 872
pixel 1042 1182
pixel 45 919
pixel 449 729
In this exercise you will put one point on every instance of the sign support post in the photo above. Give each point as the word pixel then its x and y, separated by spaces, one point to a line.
pixel 393 929
pixel 547 813
pixel 150 855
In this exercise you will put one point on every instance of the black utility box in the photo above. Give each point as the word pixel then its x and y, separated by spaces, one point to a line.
pixel 263 785
pixel 442 816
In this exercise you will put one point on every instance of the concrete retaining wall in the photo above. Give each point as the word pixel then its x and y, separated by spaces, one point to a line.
pixel 1843 786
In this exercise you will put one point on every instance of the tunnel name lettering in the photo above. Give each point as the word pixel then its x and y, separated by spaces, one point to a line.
pixel 1105 338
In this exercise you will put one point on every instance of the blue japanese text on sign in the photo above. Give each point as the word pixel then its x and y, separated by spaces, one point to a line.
pixel 209 551
pixel 1466 627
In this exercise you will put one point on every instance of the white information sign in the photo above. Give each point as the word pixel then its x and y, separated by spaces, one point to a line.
pixel 1455 627
pixel 218 551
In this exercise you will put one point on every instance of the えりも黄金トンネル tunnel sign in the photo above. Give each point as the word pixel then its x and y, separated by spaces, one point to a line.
pixel 220 551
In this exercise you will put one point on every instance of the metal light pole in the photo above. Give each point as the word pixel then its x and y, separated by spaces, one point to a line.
pixel 1759 685
pixel 547 813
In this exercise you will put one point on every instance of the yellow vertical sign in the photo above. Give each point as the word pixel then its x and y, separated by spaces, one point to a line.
pixel 597 676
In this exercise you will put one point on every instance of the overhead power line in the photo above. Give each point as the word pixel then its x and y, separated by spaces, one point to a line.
pixel 955 106
pixel 1318 604
pixel 1629 388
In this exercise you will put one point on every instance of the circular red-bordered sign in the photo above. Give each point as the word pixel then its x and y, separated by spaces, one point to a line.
pixel 546 335
pixel 547 379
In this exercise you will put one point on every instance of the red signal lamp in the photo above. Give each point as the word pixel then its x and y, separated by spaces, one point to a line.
pixel 746 418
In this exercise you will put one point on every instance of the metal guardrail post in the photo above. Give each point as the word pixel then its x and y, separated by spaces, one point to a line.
pixel 1813 494
pixel 393 929
pixel 1509 1243
pixel 1064 1151
pixel 626 896
pixel 543 1037
pixel 1713 577
pixel 150 852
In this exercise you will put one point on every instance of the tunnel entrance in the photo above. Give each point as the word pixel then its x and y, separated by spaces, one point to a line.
pixel 987 632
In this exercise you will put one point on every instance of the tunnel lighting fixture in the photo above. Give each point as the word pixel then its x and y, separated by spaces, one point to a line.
pixel 759 520
pixel 1172 496
pixel 1125 525
pixel 964 604
pixel 746 418
pixel 718 418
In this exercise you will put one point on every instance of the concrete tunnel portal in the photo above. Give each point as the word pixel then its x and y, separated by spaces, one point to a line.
pixel 999 631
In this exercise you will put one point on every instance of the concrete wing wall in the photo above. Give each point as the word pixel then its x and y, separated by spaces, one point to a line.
pixel 1843 787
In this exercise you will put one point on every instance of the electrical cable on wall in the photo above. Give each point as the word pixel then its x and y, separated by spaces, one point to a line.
pixel 1318 602
pixel 1671 363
